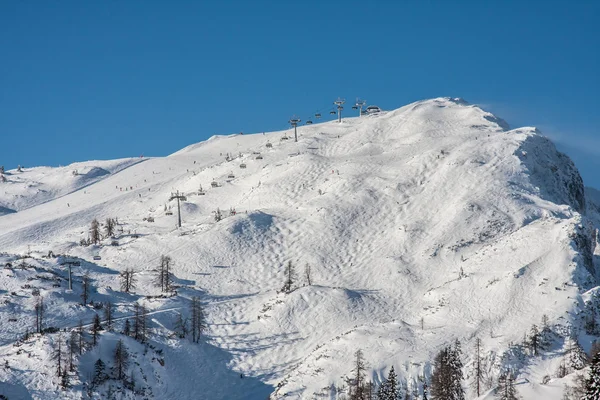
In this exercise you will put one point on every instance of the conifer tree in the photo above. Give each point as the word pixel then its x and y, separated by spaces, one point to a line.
pixel 80 338
pixel 64 380
pixel 95 231
pixel 357 383
pixel 577 357
pixel 389 390
pixel 478 373
pixel 39 314
pixel 181 326
pixel 592 383
pixel 95 330
pixel 59 355
pixel 446 380
pixel 99 372
pixel 506 387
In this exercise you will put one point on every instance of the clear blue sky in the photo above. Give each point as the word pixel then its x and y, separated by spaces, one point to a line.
pixel 87 80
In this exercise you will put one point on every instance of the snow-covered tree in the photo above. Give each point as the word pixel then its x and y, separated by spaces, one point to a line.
pixel 446 380
pixel 478 370
pixel 58 355
pixel 308 274
pixel 534 340
pixel 357 382
pixel 506 387
pixel 592 383
pixel 389 389
pixel 578 359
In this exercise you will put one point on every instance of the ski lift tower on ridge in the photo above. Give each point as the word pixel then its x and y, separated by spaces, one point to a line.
pixel 294 122
pixel 359 105
pixel 178 196
pixel 339 103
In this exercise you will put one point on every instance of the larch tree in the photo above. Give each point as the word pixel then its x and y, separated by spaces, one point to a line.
pixel 95 330
pixel 108 316
pixel 109 227
pixel 308 274
pixel 198 322
pixel 73 347
pixel 478 371
pixel 506 387
pixel 121 360
pixel 128 280
pixel 290 278
pixel 357 382
pixel 85 289
pixel 39 314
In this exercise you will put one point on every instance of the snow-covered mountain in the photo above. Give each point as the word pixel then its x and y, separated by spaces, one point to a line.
pixel 422 225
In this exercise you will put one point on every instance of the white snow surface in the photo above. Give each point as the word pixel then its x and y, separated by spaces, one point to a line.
pixel 422 225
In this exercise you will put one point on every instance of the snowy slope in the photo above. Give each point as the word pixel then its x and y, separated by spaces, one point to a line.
pixel 422 225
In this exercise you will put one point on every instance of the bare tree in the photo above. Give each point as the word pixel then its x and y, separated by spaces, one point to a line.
pixel 95 231
pixel 85 289
pixel 58 354
pixel 290 278
pixel 181 326
pixel 96 328
pixel 308 274
pixel 128 280
pixel 197 321
pixel 73 348
pixel 164 277
pixel 357 383
pixel 108 315
pixel 109 227
pixel 80 338
pixel 39 314
pixel 478 378
pixel 140 323
pixel 121 359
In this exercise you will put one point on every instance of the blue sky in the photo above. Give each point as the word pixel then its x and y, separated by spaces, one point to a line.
pixel 88 80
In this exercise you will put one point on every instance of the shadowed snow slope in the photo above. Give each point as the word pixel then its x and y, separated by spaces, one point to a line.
pixel 422 225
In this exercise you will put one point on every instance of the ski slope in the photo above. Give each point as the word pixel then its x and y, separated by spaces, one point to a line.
pixel 422 225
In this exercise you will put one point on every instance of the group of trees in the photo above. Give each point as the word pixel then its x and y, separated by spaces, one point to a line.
pixel 96 234
pixel 194 325
pixel 290 282
pixel 120 360
pixel 163 275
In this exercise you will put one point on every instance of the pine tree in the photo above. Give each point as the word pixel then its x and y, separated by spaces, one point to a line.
pixel 577 357
pixel 446 380
pixel 99 372
pixel 506 387
pixel 290 278
pixel 121 359
pixel 592 383
pixel 389 390
pixel 140 323
pixel 95 330
pixel 95 231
